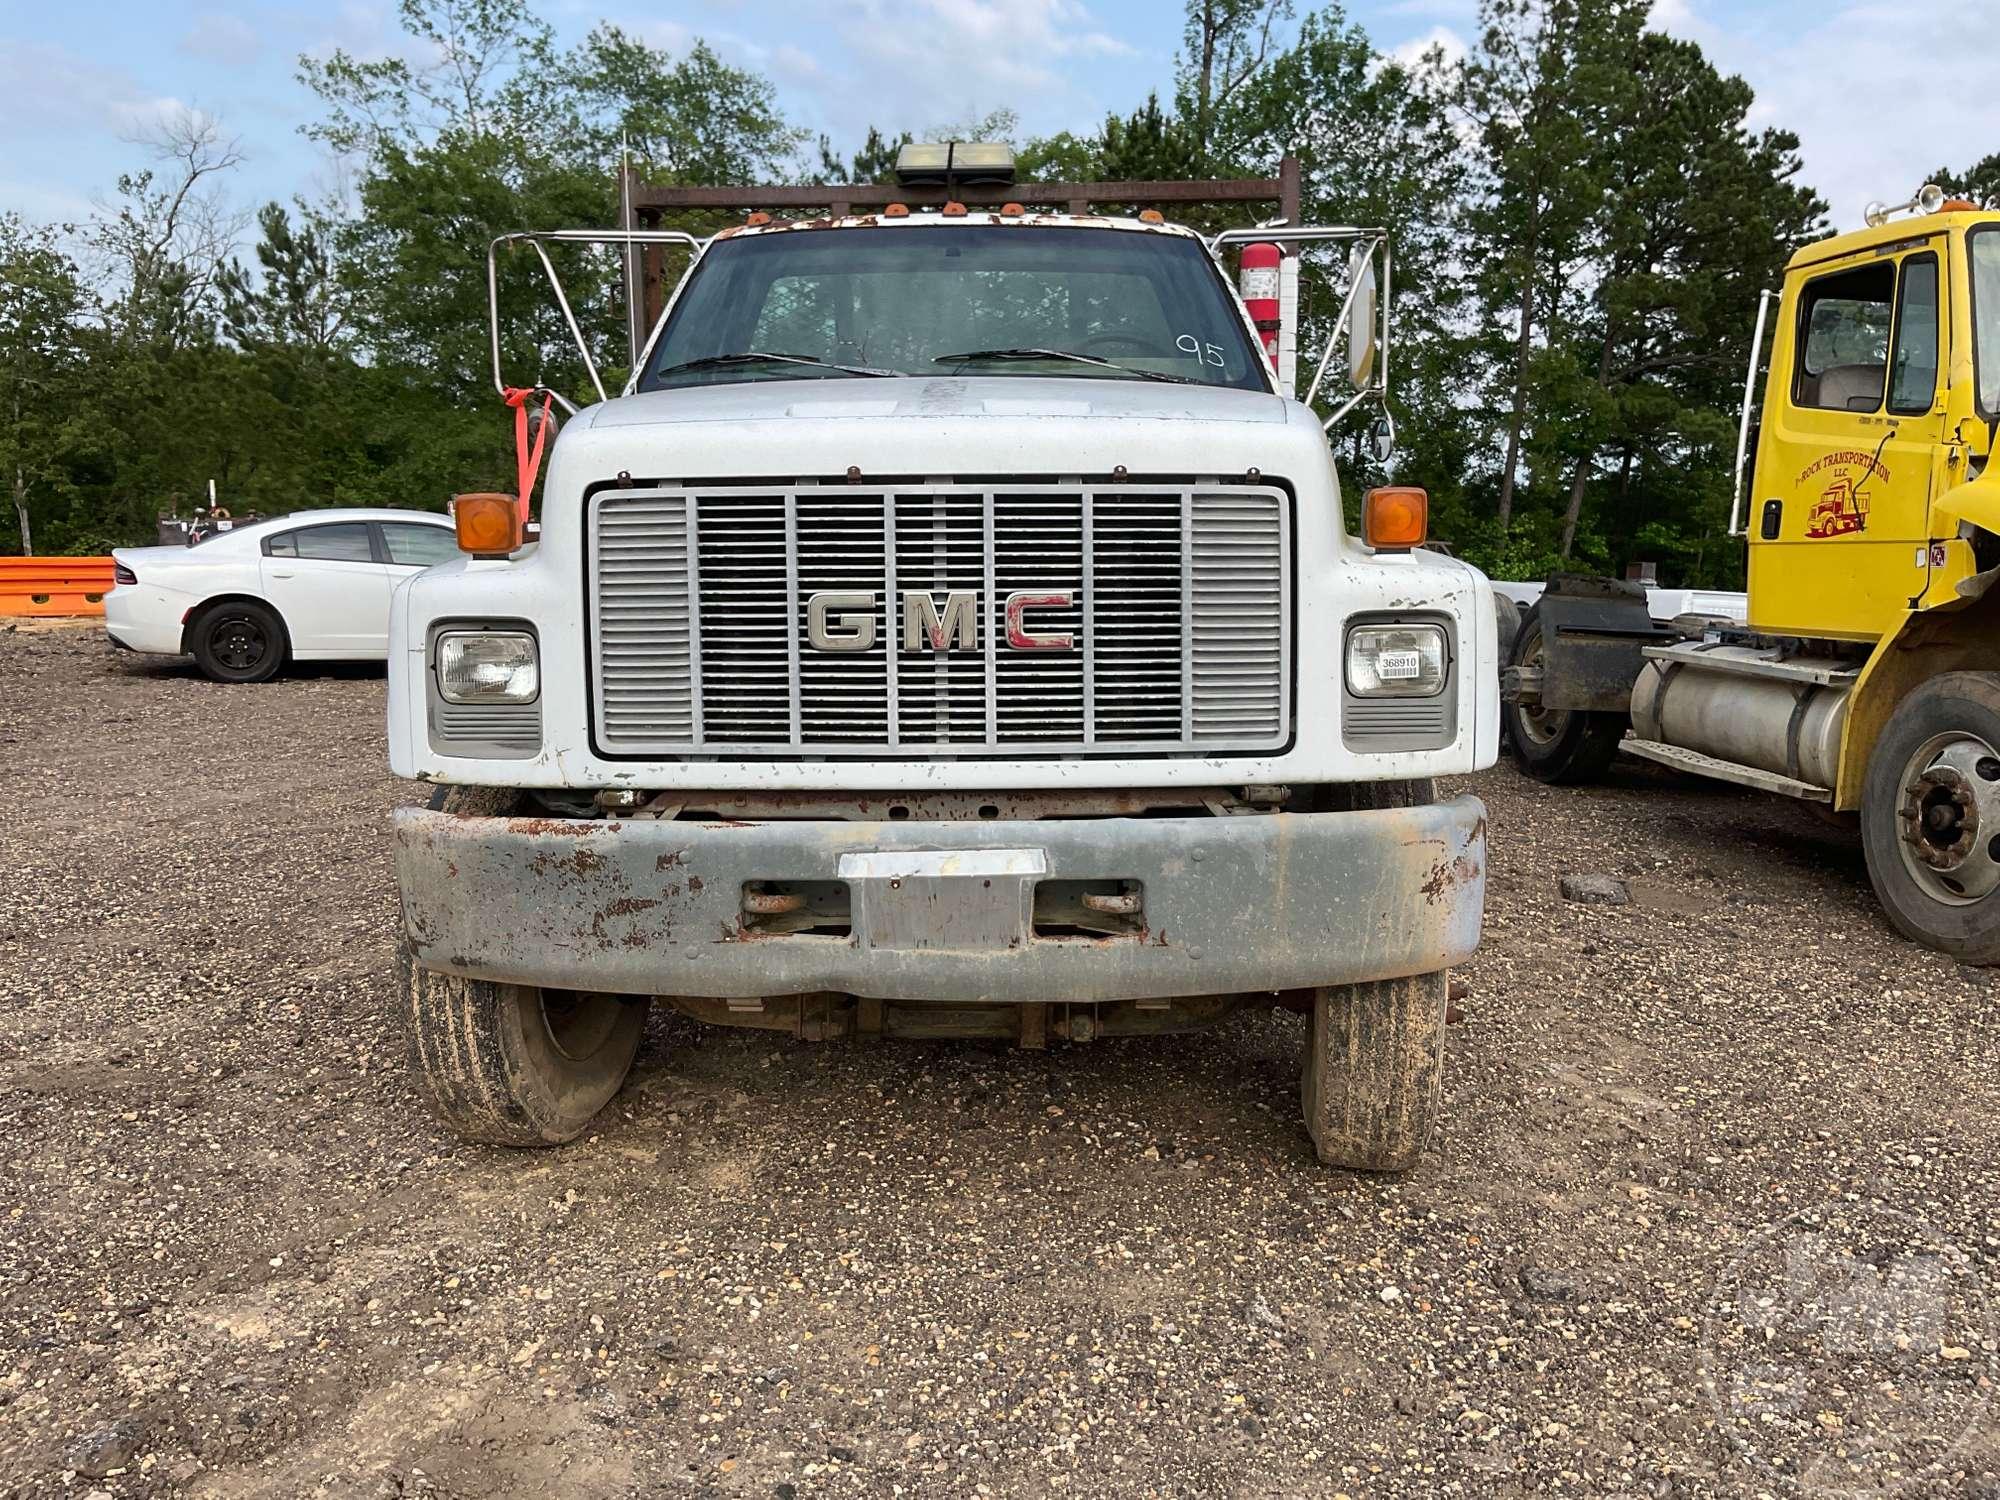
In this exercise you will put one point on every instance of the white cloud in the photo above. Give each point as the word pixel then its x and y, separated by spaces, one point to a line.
pixel 796 63
pixel 38 202
pixel 1874 101
pixel 667 36
pixel 47 87
pixel 218 36
pixel 914 61
pixel 1413 53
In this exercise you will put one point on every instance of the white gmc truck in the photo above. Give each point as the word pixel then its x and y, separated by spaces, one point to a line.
pixel 950 631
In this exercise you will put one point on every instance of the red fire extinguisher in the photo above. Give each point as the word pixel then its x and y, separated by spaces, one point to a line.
pixel 1258 283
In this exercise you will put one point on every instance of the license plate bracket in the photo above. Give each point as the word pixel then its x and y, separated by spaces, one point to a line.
pixel 952 899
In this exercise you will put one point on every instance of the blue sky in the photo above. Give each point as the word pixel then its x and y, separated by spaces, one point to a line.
pixel 1869 85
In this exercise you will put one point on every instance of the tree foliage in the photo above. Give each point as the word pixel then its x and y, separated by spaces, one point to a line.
pixel 1581 210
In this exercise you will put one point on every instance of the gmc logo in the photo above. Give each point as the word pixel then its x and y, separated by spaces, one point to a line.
pixel 846 622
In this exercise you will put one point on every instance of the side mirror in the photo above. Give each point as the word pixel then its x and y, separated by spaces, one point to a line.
pixel 1361 319
pixel 1382 438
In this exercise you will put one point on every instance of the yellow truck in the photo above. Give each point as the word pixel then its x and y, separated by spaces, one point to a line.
pixel 1865 675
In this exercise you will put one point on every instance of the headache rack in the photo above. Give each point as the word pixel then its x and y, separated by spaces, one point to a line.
pixel 645 242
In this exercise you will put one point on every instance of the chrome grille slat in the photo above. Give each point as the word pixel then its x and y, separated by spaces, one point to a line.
pixel 1181 620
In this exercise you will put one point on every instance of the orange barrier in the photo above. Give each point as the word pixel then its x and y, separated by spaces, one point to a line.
pixel 54 585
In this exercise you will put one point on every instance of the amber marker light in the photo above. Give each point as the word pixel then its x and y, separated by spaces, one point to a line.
pixel 1395 517
pixel 488 525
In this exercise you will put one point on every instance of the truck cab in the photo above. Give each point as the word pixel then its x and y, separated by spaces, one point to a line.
pixel 951 630
pixel 1864 675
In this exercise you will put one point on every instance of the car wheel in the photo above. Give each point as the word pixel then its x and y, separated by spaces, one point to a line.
pixel 1930 816
pixel 1560 746
pixel 238 641
pixel 513 1064
pixel 1374 1063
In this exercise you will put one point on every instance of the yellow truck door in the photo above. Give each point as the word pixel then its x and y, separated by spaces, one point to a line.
pixel 1846 460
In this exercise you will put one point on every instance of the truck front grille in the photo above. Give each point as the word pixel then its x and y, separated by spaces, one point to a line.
pixel 1178 611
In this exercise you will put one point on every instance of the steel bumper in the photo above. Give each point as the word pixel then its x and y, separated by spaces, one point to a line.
pixel 1231 904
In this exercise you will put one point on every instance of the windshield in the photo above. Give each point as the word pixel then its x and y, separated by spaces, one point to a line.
pixel 1984 245
pixel 956 300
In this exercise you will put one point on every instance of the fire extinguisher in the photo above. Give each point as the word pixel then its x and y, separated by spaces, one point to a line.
pixel 1258 284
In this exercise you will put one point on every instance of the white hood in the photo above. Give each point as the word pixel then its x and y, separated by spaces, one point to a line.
pixel 939 426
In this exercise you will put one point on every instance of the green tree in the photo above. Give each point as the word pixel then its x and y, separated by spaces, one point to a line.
pixel 1545 83
pixel 1376 146
pixel 874 161
pixel 296 301
pixel 1703 215
pixel 1980 182
pixel 42 301
pixel 1223 45
pixel 692 119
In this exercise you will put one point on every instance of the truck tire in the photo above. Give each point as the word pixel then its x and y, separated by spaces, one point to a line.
pixel 237 640
pixel 1374 1063
pixel 1563 747
pixel 1361 796
pixel 1930 816
pixel 512 1064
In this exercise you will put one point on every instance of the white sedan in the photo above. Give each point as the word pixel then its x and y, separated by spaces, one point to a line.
pixel 308 587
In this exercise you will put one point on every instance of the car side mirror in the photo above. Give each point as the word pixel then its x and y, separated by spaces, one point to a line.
pixel 1361 319
pixel 1382 439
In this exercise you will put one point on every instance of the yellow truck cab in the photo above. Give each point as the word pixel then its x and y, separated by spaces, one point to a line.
pixel 1865 675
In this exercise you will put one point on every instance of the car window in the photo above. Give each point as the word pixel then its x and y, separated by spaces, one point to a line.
pixel 1913 382
pixel 1844 338
pixel 899 299
pixel 346 541
pixel 417 545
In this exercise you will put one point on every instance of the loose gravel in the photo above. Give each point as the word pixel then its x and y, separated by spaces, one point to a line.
pixel 240 1259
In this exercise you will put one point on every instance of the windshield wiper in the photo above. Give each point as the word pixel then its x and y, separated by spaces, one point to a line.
pixel 765 357
pixel 971 356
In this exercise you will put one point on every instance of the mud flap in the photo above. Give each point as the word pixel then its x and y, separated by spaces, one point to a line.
pixel 1594 635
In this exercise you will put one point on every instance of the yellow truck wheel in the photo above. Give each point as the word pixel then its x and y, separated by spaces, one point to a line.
pixel 1930 816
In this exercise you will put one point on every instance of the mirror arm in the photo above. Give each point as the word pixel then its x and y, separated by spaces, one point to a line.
pixel 569 317
pixel 1347 406
pixel 1339 322
pixel 1736 524
pixel 537 239
pixel 1381 381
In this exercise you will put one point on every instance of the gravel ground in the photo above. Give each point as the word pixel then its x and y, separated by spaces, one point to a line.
pixel 241 1259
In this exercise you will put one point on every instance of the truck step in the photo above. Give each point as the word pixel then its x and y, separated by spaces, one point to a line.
pixel 1695 654
pixel 1724 770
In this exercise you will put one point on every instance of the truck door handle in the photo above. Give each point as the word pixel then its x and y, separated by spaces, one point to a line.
pixel 1774 515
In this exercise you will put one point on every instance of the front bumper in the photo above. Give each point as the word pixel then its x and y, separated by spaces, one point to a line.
pixel 1232 904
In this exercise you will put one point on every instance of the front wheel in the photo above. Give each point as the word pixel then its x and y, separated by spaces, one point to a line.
pixel 1930 816
pixel 1560 746
pixel 1374 1065
pixel 511 1064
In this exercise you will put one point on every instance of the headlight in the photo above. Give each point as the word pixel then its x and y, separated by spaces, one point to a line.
pixel 488 667
pixel 1395 661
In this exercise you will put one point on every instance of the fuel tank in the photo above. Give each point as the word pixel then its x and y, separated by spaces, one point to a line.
pixel 1789 727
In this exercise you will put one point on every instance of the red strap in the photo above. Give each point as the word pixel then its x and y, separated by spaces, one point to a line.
pixel 530 460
